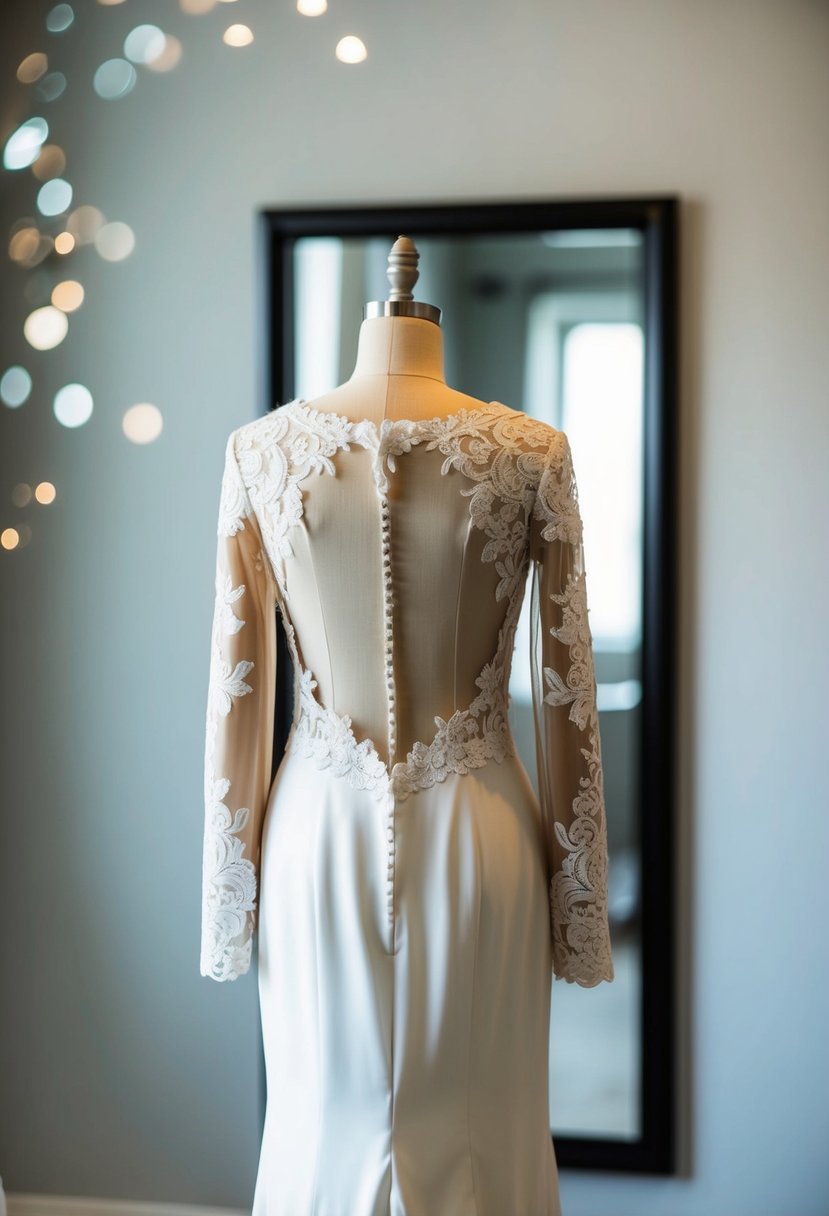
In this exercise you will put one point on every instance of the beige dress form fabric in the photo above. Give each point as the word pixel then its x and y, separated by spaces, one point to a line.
pixel 410 896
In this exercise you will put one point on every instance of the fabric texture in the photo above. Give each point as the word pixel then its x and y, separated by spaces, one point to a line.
pixel 410 896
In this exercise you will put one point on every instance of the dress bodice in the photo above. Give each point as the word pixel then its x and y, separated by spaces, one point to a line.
pixel 398 557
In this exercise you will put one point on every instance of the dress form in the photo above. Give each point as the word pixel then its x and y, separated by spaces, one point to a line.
pixel 399 372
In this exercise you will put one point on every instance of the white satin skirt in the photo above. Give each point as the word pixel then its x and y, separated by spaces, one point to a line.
pixel 407 1051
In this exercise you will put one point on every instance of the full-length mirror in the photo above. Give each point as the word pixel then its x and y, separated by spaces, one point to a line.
pixel 564 311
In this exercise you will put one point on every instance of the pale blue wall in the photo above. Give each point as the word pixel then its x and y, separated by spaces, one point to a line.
pixel 124 1073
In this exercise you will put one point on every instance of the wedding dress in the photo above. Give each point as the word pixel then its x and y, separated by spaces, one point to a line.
pixel 410 896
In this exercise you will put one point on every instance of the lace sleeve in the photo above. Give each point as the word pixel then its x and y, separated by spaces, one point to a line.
pixel 568 747
pixel 239 731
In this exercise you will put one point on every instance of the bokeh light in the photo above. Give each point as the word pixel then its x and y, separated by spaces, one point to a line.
pixel 45 328
pixel 311 8
pixel 142 423
pixel 54 197
pixel 351 49
pixel 51 87
pixel 23 145
pixel 196 7
pixel 21 495
pixel 169 57
pixel 144 43
pixel 45 493
pixel 115 241
pixel 29 246
pixel 9 538
pixel 68 295
pixel 15 386
pixel 64 242
pixel 60 18
pixel 84 223
pixel 114 78
pixel 238 35
pixel 32 67
pixel 72 406
pixel 50 163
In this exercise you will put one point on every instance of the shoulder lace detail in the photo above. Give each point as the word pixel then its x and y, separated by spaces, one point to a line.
pixel 556 502
pixel 275 454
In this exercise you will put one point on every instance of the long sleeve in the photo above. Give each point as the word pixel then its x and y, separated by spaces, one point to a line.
pixel 568 745
pixel 239 731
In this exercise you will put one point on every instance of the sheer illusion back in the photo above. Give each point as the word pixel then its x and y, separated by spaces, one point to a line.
pixel 398 556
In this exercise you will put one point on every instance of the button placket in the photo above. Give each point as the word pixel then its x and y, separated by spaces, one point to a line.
pixel 388 655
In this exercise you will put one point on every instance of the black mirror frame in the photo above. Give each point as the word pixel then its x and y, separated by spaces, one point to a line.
pixel 654 1152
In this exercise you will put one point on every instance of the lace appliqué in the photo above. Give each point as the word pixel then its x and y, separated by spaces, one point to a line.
pixel 578 888
pixel 578 690
pixel 230 890
pixel 229 883
pixel 329 740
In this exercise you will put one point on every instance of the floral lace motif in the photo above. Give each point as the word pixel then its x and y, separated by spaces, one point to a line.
pixel 231 890
pixel 578 888
pixel 229 881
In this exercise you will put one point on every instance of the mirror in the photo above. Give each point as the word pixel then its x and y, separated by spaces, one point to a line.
pixel 564 310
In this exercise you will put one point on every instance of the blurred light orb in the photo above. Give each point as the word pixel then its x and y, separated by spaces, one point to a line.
pixel 144 44
pixel 15 386
pixel 32 67
pixel 64 242
pixel 114 78
pixel 110 3
pixel 45 492
pixel 115 241
pixel 46 327
pixel 23 145
pixel 142 423
pixel 9 538
pixel 25 533
pixel 68 295
pixel 51 86
pixel 73 407
pixel 84 223
pixel 25 246
pixel 50 163
pixel 59 18
pixel 54 197
pixel 169 57
pixel 238 35
pixel 351 49
pixel 21 495
pixel 196 7
pixel 311 8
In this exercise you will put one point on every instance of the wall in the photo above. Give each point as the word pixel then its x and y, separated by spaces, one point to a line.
pixel 124 1072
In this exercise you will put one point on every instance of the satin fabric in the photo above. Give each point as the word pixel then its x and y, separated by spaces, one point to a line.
pixel 410 1083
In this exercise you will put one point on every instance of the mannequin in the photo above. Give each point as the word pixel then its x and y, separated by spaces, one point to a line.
pixel 399 372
